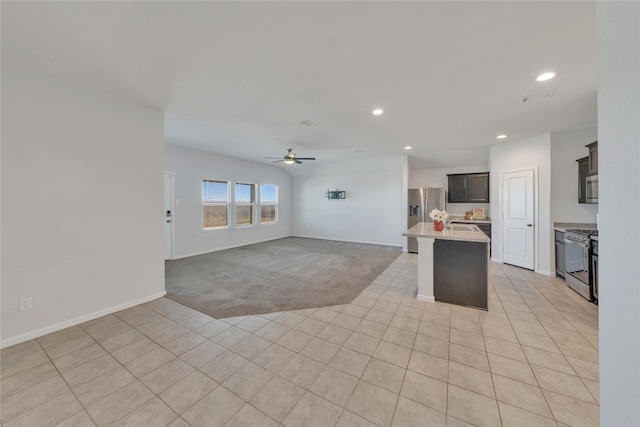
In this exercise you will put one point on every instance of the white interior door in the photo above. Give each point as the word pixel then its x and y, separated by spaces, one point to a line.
pixel 168 215
pixel 518 218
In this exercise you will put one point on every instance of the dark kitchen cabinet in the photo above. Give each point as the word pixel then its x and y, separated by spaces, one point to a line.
pixel 479 188
pixel 486 229
pixel 460 273
pixel 560 258
pixel 583 173
pixel 468 188
pixel 593 158
pixel 457 188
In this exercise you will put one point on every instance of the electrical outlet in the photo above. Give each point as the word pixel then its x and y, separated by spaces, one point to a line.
pixel 26 303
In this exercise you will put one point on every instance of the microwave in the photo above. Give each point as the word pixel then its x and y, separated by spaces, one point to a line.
pixel 592 189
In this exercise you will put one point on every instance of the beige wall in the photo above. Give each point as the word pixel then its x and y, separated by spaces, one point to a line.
pixel 533 152
pixel 618 25
pixel 82 191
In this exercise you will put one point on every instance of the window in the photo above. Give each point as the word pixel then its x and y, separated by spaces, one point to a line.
pixel 245 203
pixel 268 203
pixel 215 204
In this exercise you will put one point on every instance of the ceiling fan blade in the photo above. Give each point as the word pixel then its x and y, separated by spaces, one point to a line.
pixel 273 157
pixel 298 161
pixel 305 158
pixel 278 161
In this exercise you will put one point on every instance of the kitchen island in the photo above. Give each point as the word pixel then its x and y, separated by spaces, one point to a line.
pixel 452 264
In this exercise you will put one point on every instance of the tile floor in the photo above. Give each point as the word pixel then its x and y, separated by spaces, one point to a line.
pixel 383 360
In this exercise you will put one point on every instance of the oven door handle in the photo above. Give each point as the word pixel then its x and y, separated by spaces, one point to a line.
pixel 573 242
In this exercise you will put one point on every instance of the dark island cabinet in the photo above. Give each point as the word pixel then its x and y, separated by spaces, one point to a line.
pixel 460 273
pixel 468 188
pixel 583 173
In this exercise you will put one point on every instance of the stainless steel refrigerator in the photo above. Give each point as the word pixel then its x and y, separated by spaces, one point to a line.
pixel 421 202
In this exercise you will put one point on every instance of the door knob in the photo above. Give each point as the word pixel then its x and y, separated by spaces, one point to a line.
pixel 168 221
pixel 529 225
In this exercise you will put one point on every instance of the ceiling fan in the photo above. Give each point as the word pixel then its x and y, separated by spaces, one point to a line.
pixel 290 158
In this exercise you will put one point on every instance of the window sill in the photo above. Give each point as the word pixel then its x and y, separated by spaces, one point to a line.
pixel 209 230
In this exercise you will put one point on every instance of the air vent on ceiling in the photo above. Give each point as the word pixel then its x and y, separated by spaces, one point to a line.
pixel 533 98
pixel 308 123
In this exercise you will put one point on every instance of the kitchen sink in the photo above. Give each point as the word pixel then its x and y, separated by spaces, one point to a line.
pixel 460 227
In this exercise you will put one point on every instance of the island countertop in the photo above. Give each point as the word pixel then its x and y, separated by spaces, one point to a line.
pixel 425 229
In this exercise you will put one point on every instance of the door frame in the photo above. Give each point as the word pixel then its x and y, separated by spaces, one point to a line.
pixel 172 179
pixel 536 216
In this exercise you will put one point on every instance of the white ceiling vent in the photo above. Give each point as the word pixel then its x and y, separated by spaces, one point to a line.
pixel 533 98
pixel 308 123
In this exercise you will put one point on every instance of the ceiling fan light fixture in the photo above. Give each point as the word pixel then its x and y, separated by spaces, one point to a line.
pixel 545 76
pixel 377 112
pixel 290 158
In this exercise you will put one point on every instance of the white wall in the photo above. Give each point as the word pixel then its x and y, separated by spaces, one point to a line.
pixel 618 25
pixel 533 152
pixel 438 178
pixel 190 168
pixel 566 148
pixel 373 211
pixel 81 203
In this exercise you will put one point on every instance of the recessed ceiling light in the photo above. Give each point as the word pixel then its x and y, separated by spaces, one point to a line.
pixel 545 76
pixel 408 147
pixel 501 136
pixel 377 112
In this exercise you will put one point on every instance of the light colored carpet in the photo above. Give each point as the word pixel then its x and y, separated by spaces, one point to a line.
pixel 283 274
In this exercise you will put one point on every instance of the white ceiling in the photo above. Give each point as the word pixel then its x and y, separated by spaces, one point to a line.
pixel 236 78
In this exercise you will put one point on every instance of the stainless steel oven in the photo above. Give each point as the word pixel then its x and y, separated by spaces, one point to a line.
pixel 577 262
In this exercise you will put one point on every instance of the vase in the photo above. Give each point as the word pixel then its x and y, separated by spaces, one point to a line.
pixel 438 225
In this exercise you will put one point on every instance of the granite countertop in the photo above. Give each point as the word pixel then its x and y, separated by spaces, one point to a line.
pixel 564 226
pixel 425 229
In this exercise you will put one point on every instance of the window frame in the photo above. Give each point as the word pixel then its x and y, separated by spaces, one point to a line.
pixel 253 204
pixel 275 204
pixel 205 204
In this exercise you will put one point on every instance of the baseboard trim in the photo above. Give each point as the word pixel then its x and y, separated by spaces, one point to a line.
pixel 545 272
pixel 208 251
pixel 426 298
pixel 346 240
pixel 76 321
pixel 498 260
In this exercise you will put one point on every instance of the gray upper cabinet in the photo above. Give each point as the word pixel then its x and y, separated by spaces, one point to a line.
pixel 583 173
pixel 593 158
pixel 468 188
pixel 587 166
